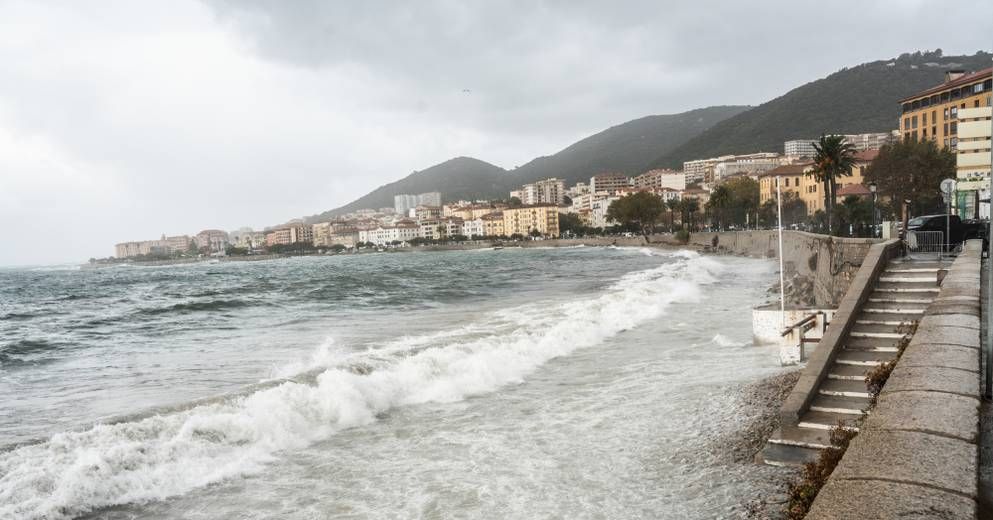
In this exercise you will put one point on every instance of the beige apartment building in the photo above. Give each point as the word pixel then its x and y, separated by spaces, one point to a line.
pixel 660 179
pixel 493 224
pixel 543 218
pixel 934 113
pixel 609 183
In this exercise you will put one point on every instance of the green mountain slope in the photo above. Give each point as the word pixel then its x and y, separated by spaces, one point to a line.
pixel 853 100
pixel 459 178
pixel 626 148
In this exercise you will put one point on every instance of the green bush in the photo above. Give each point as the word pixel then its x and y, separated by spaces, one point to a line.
pixel 683 236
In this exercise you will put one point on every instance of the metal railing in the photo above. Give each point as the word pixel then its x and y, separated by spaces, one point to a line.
pixel 814 321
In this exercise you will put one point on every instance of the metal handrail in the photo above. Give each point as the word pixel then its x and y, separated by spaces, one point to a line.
pixel 802 322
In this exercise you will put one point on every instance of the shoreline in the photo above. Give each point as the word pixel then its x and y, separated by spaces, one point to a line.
pixel 555 242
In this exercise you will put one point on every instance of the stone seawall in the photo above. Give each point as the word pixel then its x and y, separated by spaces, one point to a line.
pixel 916 455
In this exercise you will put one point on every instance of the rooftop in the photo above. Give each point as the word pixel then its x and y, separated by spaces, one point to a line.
pixel 964 80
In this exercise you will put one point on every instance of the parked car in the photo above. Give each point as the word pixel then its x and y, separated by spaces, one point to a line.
pixel 959 230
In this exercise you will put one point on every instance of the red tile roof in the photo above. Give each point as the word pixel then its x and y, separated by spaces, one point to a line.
pixel 787 169
pixel 867 155
pixel 852 189
pixel 968 78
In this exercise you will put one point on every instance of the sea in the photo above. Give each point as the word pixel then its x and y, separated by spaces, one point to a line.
pixel 586 382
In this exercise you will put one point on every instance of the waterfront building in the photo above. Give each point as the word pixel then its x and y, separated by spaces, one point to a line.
pixel 659 179
pixel 793 178
pixel 972 161
pixel 751 165
pixel 542 218
pixel 934 113
pixel 599 205
pixel 422 213
pixel 347 237
pixel 322 234
pixel 609 183
pixel 214 240
pixel 475 211
pixel 277 237
pixel 473 228
pixel 581 188
pixel 493 224
pixel 799 148
pixel 290 234
pixel 386 235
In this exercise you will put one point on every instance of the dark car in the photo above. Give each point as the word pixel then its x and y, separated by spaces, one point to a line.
pixel 958 230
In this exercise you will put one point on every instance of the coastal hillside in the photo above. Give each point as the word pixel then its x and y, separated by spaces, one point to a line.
pixel 858 99
pixel 458 178
pixel 627 148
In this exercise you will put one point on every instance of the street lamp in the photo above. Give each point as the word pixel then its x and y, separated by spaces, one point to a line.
pixel 872 190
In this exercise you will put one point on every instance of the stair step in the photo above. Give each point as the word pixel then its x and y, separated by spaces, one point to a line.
pixel 816 438
pixel 894 307
pixel 863 344
pixel 877 331
pixel 864 358
pixel 785 455
pixel 843 387
pixel 885 318
pixel 848 372
pixel 909 269
pixel 918 264
pixel 910 278
pixel 906 288
pixel 842 405
pixel 828 420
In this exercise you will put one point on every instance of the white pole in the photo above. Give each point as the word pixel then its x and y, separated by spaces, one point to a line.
pixel 782 280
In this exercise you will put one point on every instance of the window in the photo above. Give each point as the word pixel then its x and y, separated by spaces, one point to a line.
pixel 906 123
pixel 954 128
pixel 976 104
pixel 934 116
pixel 787 183
pixel 924 119
pixel 946 112
pixel 955 112
pixel 924 133
pixel 796 181
pixel 946 129
pixel 913 122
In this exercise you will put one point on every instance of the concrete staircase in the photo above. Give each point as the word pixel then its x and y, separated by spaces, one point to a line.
pixel 901 295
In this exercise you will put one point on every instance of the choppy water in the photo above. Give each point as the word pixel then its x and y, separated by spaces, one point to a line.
pixel 554 383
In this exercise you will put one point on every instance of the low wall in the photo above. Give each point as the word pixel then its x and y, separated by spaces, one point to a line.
pixel 917 453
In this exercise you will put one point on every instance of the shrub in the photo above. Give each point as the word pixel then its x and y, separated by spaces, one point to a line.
pixel 683 236
pixel 815 474
pixel 876 378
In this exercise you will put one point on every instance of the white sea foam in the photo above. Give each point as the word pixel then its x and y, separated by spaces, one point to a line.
pixel 724 341
pixel 169 455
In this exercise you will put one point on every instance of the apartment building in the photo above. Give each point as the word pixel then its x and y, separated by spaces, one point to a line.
pixel 598 210
pixel 427 213
pixel 793 178
pixel 972 161
pixel 473 228
pixel 542 218
pixel 385 235
pixel 804 148
pixel 660 179
pixel 934 113
pixel 403 203
pixel 547 191
pixel 609 183
pixel 493 224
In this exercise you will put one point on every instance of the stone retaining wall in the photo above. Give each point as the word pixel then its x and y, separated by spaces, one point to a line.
pixel 917 454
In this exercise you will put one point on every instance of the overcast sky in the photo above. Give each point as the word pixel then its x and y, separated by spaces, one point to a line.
pixel 125 120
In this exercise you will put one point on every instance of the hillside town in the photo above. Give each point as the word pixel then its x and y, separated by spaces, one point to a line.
pixel 726 192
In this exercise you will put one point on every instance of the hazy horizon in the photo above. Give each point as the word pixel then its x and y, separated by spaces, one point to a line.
pixel 124 121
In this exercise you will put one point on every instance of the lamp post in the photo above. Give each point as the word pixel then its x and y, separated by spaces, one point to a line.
pixel 872 191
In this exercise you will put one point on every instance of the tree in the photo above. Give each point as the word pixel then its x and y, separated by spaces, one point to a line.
pixel 534 233
pixel 911 170
pixel 854 213
pixel 833 157
pixel 641 210
pixel 570 224
pixel 744 199
pixel 719 203
pixel 673 205
pixel 514 202
pixel 690 206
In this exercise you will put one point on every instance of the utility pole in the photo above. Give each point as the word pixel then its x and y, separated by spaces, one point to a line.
pixel 782 279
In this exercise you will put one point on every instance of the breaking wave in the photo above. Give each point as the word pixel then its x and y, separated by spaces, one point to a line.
pixel 170 454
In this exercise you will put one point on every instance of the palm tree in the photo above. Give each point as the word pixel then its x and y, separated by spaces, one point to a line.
pixel 833 158
pixel 690 206
pixel 720 201
pixel 673 206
